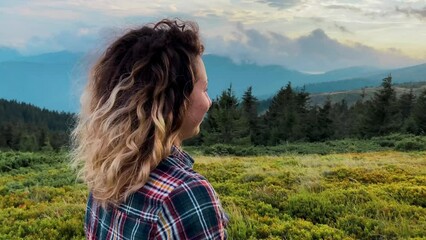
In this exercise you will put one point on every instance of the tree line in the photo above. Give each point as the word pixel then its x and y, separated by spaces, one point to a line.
pixel 26 127
pixel 290 117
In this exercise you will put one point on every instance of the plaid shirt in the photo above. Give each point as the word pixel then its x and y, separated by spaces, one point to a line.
pixel 175 203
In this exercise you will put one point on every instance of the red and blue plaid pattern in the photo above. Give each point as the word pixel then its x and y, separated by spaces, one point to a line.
pixel 175 203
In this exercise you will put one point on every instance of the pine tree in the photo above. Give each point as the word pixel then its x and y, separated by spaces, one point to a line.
pixel 325 122
pixel 419 113
pixel 356 120
pixel 286 117
pixel 280 116
pixel 249 113
pixel 320 124
pixel 302 107
pixel 209 128
pixel 226 124
pixel 383 115
pixel 406 103
pixel 340 115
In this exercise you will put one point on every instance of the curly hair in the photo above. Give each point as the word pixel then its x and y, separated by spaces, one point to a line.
pixel 132 107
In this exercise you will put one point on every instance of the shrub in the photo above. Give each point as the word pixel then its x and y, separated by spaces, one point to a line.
pixel 357 226
pixel 414 195
pixel 313 207
pixel 265 197
pixel 411 144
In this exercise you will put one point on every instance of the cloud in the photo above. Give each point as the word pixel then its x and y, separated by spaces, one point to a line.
pixel 344 7
pixel 54 14
pixel 419 13
pixel 258 32
pixel 313 52
pixel 317 19
pixel 81 39
pixel 368 9
pixel 280 4
pixel 342 28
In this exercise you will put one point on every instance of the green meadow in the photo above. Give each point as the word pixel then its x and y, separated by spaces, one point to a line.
pixel 370 195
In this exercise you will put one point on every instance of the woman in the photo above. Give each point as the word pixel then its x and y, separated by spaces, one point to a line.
pixel 145 95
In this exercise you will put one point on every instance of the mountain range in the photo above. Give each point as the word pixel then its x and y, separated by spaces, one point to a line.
pixel 54 80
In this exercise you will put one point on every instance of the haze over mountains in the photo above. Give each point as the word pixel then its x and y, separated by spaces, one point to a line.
pixel 54 80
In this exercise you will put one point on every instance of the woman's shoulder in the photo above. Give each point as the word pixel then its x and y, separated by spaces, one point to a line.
pixel 168 177
pixel 175 195
pixel 194 208
pixel 173 171
pixel 170 174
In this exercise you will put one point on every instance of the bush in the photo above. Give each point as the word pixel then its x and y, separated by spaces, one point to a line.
pixel 400 142
pixel 359 227
pixel 414 195
pixel 347 196
pixel 313 207
pixel 411 144
pixel 10 161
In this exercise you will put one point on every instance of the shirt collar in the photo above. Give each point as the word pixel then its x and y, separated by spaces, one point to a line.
pixel 182 157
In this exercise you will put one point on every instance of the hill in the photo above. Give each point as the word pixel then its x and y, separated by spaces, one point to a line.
pixel 26 127
pixel 401 75
pixel 354 95
pixel 46 80
pixel 54 80
pixel 351 96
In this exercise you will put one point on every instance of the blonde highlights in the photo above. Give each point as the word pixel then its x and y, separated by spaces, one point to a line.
pixel 133 106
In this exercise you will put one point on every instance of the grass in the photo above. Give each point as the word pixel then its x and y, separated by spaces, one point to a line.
pixel 365 195
pixel 374 195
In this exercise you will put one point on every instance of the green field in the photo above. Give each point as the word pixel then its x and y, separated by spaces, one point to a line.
pixel 373 195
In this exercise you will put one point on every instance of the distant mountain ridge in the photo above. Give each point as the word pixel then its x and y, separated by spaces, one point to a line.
pixel 351 96
pixel 54 80
pixel 401 75
pixel 55 57
pixel 7 54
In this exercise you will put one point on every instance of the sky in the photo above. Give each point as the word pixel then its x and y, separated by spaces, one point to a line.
pixel 304 35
